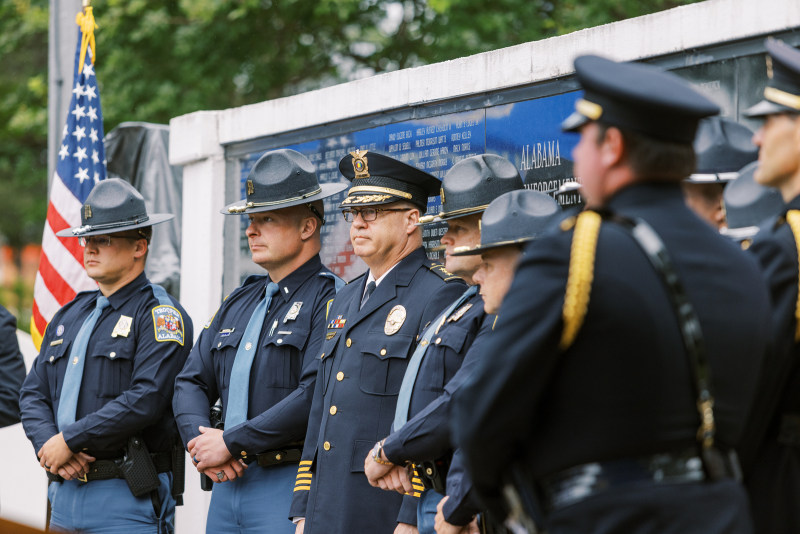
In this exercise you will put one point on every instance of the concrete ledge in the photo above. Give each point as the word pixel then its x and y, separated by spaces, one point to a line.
pixel 194 137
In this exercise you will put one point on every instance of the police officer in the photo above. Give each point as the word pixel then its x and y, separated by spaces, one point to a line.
pixel 96 403
pixel 633 390
pixel 258 352
pixel 371 334
pixel 12 369
pixel 722 147
pixel 443 358
pixel 774 478
pixel 749 206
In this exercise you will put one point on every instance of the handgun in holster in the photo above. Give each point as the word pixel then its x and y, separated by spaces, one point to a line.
pixel 138 468
pixel 215 420
pixel 434 474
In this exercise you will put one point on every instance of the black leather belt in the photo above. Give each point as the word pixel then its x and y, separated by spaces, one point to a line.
pixel 582 481
pixel 279 456
pixel 108 469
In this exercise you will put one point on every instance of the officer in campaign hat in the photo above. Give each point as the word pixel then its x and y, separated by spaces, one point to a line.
pixel 774 476
pixel 258 353
pixel 623 432
pixel 99 391
pixel 749 206
pixel 722 147
pixel 446 351
pixel 371 332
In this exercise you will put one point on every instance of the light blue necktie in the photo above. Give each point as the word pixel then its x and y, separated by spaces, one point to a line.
pixel 239 387
pixel 68 403
pixel 407 387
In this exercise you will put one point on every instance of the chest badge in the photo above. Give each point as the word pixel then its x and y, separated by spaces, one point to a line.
pixel 291 315
pixel 394 320
pixel 123 326
pixel 460 313
pixel 339 322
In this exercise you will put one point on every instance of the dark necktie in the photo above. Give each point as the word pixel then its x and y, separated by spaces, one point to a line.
pixel 370 288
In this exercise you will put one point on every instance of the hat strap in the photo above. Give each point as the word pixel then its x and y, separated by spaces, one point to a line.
pixel 107 226
pixel 241 209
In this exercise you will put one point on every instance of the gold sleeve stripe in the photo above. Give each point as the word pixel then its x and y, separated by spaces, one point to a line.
pixel 793 218
pixel 418 487
pixel 303 469
pixel 306 462
pixel 581 274
pixel 303 475
pixel 302 488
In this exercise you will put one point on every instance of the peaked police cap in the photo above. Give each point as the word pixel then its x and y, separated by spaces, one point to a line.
pixel 722 147
pixel 281 179
pixel 514 217
pixel 748 204
pixel 113 206
pixel 782 93
pixel 637 97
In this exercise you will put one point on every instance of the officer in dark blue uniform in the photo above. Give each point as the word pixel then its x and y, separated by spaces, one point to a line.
pixel 258 353
pixel 622 363
pixel 722 147
pixel 444 356
pixel 774 432
pixel 749 206
pixel 12 369
pixel 96 403
pixel 372 329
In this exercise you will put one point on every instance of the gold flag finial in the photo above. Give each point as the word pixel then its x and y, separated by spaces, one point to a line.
pixel 86 21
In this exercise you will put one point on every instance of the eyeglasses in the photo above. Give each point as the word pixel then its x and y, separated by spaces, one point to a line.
pixel 102 241
pixel 367 214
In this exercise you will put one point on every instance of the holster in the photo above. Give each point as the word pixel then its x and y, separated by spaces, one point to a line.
pixel 138 469
pixel 434 474
pixel 178 472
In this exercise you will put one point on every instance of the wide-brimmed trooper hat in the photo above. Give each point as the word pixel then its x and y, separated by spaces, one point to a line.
pixel 749 205
pixel 113 206
pixel 722 147
pixel 471 184
pixel 281 179
pixel 514 218
pixel 782 93
pixel 378 179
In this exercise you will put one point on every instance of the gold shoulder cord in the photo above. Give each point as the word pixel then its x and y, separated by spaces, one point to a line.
pixel 581 274
pixel 793 218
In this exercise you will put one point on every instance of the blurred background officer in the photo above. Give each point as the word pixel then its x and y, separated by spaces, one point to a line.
pixel 510 221
pixel 774 479
pixel 749 206
pixel 372 328
pixel 258 353
pixel 590 348
pixel 443 358
pixel 12 369
pixel 96 403
pixel 722 147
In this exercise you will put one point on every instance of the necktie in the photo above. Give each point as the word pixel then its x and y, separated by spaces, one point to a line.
pixel 407 386
pixel 370 288
pixel 68 403
pixel 239 387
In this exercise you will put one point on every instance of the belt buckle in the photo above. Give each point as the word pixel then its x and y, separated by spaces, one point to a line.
pixel 83 478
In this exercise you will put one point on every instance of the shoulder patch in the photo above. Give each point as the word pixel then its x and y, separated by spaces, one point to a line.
pixel 168 324
pixel 442 273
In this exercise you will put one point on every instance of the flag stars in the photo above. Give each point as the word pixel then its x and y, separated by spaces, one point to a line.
pixel 96 176
pixel 78 90
pixel 81 154
pixel 90 92
pixel 88 70
pixel 83 174
pixel 92 113
pixel 95 157
pixel 79 133
pixel 79 112
pixel 64 152
pixel 93 135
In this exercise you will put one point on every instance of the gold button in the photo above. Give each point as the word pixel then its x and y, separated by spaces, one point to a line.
pixel 52 358
pixel 326 445
pixel 112 355
pixel 429 471
pixel 438 340
pixel 339 375
pixel 333 410
pixel 243 454
pixel 348 342
pixel 75 361
pixel 423 342
pixel 323 356
pixel 278 456
pixel 383 352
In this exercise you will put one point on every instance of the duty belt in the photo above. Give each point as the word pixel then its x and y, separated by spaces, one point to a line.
pixel 580 482
pixel 108 469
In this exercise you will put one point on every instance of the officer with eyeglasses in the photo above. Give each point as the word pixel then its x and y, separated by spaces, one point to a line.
pixel 372 329
pixel 96 403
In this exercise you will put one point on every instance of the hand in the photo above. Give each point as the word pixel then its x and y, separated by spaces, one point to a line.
pixel 375 470
pixel 301 525
pixel 443 527
pixel 405 528
pixel 232 470
pixel 396 480
pixel 208 449
pixel 54 453
pixel 76 467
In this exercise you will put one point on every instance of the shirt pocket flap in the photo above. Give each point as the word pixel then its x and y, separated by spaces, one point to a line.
pixel 296 337
pixel 53 353
pixel 386 347
pixel 360 450
pixel 224 339
pixel 114 351
pixel 452 338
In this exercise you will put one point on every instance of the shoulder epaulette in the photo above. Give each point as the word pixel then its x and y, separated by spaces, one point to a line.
pixel 338 283
pixel 442 273
pixel 581 274
pixel 251 279
pixel 793 218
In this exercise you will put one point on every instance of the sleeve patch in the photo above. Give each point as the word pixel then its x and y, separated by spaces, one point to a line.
pixel 168 324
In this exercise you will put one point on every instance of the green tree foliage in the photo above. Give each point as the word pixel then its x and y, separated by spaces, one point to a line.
pixel 160 58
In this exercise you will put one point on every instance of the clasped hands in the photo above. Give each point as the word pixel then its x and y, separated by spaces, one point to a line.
pixel 55 456
pixel 384 474
pixel 211 457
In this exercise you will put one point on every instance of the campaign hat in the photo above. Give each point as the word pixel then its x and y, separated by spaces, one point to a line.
pixel 471 184
pixel 281 179
pixel 748 204
pixel 782 93
pixel 513 218
pixel 379 179
pixel 637 97
pixel 722 147
pixel 113 206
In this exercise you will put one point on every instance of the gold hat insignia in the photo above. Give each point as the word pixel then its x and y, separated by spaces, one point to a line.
pixel 360 163
pixel 441 193
pixel 770 73
pixel 87 211
pixel 250 187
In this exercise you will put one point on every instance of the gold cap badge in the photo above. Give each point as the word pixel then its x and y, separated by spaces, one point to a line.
pixel 87 211
pixel 441 193
pixel 250 188
pixel 770 73
pixel 360 163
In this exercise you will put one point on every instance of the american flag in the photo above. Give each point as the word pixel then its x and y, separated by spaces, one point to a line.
pixel 80 164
